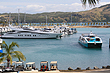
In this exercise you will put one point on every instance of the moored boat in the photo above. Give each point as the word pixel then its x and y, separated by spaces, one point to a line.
pixel 30 33
pixel 90 40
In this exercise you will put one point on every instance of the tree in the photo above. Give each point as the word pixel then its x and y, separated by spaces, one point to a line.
pixel 91 2
pixel 10 53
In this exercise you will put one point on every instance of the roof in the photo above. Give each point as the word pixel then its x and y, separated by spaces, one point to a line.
pixel 53 62
pixel 44 62
pixel 18 62
pixel 2 63
pixel 9 62
pixel 30 63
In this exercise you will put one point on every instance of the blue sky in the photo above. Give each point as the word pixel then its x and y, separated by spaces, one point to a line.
pixel 39 6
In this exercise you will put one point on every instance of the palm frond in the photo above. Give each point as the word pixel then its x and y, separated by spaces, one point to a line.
pixel 2 54
pixel 13 44
pixel 2 59
pixel 19 55
pixel 90 2
pixel 4 45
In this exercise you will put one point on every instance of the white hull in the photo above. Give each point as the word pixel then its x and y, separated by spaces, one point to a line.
pixel 30 35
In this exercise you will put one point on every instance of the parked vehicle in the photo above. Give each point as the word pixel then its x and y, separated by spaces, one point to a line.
pixel 44 66
pixel 53 65
pixel 19 66
pixel 30 66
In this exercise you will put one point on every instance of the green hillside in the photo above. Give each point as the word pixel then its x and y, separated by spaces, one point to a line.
pixel 100 14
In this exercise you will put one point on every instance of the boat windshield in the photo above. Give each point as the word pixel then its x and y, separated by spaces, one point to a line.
pixel 97 39
pixel 88 35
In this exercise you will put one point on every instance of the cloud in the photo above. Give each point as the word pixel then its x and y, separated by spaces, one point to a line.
pixel 104 3
pixel 55 7
pixel 43 7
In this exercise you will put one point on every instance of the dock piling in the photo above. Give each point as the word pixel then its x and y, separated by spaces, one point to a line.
pixel 109 42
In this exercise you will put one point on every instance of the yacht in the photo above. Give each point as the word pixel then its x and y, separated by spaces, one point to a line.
pixel 90 40
pixel 30 33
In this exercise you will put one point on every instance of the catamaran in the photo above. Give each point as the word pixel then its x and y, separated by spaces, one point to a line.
pixel 90 40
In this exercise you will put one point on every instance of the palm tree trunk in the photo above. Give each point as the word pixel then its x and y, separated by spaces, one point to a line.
pixel 8 62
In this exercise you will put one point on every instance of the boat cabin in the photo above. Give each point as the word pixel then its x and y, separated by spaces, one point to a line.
pixel 30 65
pixel 53 65
pixel 44 66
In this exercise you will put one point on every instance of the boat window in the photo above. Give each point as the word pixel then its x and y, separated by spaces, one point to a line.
pixel 83 39
pixel 88 39
pixel 13 31
pixel 92 36
pixel 97 39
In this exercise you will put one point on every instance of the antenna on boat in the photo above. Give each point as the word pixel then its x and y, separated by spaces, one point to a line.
pixel 90 32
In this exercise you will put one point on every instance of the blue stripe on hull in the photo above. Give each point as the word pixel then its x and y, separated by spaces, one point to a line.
pixel 91 45
pixel 84 44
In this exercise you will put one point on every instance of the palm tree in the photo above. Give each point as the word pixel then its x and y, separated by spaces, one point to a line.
pixel 91 2
pixel 10 53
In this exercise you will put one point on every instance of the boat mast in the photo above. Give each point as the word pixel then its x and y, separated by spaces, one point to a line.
pixel 25 18
pixel 9 18
pixel 71 17
pixel 18 16
pixel 46 21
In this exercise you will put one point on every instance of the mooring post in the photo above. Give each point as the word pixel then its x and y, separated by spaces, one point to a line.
pixel 109 42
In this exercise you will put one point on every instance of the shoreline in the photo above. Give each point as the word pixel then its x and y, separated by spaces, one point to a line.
pixel 105 26
pixel 71 71
pixel 73 26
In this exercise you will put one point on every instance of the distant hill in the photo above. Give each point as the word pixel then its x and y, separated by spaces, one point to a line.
pixel 99 14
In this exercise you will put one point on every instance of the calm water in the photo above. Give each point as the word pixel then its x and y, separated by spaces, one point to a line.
pixel 67 50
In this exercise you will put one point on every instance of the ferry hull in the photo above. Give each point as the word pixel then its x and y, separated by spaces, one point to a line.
pixel 91 45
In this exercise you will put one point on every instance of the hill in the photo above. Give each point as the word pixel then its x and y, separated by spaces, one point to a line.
pixel 100 14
